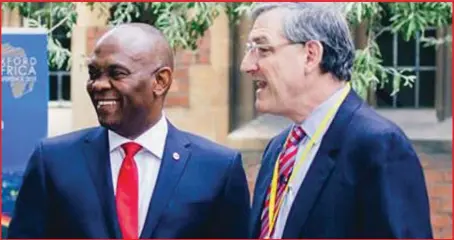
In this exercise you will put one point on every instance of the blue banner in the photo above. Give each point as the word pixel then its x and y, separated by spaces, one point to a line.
pixel 25 79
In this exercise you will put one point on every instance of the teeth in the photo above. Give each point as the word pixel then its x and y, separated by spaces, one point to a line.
pixel 105 103
pixel 260 84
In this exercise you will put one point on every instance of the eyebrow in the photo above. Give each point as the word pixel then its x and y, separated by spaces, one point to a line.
pixel 110 66
pixel 260 39
pixel 117 65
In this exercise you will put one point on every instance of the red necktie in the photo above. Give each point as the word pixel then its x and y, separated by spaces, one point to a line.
pixel 286 162
pixel 127 196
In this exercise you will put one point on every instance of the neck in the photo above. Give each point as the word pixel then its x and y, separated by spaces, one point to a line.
pixel 140 128
pixel 309 101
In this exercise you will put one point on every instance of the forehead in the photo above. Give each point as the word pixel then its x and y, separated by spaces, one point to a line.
pixel 267 27
pixel 114 50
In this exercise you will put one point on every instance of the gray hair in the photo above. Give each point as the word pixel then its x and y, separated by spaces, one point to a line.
pixel 323 22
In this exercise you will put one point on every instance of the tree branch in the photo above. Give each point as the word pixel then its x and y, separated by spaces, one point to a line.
pixel 61 21
pixel 388 28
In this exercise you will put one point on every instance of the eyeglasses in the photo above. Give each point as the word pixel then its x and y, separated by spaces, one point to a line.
pixel 262 50
pixel 257 48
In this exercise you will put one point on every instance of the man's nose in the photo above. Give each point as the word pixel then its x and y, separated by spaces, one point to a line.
pixel 249 64
pixel 101 83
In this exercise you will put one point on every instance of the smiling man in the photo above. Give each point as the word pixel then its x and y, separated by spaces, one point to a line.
pixel 340 170
pixel 137 175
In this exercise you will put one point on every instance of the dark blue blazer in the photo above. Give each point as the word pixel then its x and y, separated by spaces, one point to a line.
pixel 365 182
pixel 67 191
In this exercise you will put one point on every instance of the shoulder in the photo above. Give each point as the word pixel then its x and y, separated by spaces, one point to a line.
pixel 203 146
pixel 370 134
pixel 216 159
pixel 70 139
pixel 59 151
pixel 368 124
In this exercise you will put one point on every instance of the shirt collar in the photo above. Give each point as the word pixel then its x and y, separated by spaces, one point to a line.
pixel 314 120
pixel 153 140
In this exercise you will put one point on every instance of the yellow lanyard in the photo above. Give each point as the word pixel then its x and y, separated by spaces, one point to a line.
pixel 272 204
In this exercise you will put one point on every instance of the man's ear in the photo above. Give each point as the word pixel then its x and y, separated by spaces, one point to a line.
pixel 314 55
pixel 163 81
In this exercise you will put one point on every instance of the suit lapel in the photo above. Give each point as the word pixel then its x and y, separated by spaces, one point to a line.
pixel 176 154
pixel 321 168
pixel 262 186
pixel 308 193
pixel 96 150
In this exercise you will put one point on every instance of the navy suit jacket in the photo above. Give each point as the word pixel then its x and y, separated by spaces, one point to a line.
pixel 365 182
pixel 67 191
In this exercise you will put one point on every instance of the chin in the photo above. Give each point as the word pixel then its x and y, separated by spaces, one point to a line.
pixel 110 124
pixel 261 107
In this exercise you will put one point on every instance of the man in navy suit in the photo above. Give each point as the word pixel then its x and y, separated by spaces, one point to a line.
pixel 340 170
pixel 137 176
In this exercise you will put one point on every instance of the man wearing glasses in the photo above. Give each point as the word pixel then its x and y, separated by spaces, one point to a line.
pixel 340 170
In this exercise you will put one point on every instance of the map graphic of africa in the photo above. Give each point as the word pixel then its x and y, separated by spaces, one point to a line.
pixel 18 70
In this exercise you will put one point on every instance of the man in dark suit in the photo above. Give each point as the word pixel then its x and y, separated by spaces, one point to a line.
pixel 137 176
pixel 340 170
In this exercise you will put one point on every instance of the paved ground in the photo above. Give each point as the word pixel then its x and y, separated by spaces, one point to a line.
pixel 420 125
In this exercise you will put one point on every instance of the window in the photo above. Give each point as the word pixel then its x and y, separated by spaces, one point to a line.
pixel 419 59
pixel 60 78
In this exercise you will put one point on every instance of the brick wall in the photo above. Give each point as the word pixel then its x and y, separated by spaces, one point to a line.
pixel 178 95
pixel 438 172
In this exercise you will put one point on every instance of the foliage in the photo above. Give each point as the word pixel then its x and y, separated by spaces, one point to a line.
pixel 58 18
pixel 184 23
pixel 407 19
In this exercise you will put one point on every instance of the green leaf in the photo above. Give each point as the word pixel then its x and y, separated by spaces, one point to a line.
pixel 410 29
pixel 396 83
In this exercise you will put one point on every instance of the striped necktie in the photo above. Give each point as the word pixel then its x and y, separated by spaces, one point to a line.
pixel 286 163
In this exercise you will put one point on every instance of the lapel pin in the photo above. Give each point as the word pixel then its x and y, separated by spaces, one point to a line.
pixel 176 156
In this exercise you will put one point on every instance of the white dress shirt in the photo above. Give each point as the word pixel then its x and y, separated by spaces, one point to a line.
pixel 148 161
pixel 309 126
